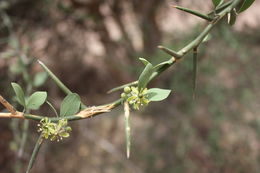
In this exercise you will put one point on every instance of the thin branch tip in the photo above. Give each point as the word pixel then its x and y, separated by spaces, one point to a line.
pixel 39 61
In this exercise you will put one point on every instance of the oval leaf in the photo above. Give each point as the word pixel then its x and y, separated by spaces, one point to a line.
pixel 36 100
pixel 157 94
pixel 70 105
pixel 39 79
pixel 145 75
pixel 19 93
pixel 246 4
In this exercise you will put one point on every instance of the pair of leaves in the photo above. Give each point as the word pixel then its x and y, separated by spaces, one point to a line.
pixel 33 102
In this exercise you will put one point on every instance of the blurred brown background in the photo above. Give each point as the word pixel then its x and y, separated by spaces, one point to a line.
pixel 93 46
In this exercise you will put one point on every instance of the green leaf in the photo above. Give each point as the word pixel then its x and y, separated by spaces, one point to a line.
pixel 19 93
pixel 145 75
pixel 64 134
pixel 16 68
pixel 168 62
pixel 246 4
pixel 39 79
pixel 144 61
pixel 7 54
pixel 157 94
pixel 36 100
pixel 70 105
pixel 162 64
pixel 217 2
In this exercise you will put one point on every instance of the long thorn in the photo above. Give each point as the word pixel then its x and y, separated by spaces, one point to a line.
pixel 170 52
pixel 196 13
pixel 35 152
pixel 195 62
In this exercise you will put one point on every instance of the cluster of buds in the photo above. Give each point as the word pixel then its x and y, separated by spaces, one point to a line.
pixel 135 97
pixel 54 131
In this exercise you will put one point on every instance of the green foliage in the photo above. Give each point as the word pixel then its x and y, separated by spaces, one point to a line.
pixel 39 79
pixel 70 105
pixel 33 102
pixel 217 2
pixel 134 96
pixel 246 4
pixel 158 66
pixel 138 98
pixel 144 61
pixel 36 100
pixel 157 94
pixel 19 94
pixel 54 131
pixel 145 75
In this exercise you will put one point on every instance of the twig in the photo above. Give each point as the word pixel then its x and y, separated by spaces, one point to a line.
pixel 93 111
pixel 7 105
pixel 88 112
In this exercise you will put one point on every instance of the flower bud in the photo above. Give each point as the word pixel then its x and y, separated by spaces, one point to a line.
pixel 127 90
pixel 123 95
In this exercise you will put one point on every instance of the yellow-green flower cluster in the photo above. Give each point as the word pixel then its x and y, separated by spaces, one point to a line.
pixel 135 97
pixel 54 131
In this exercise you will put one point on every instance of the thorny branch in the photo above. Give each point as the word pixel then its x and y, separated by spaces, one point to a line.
pixel 97 110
